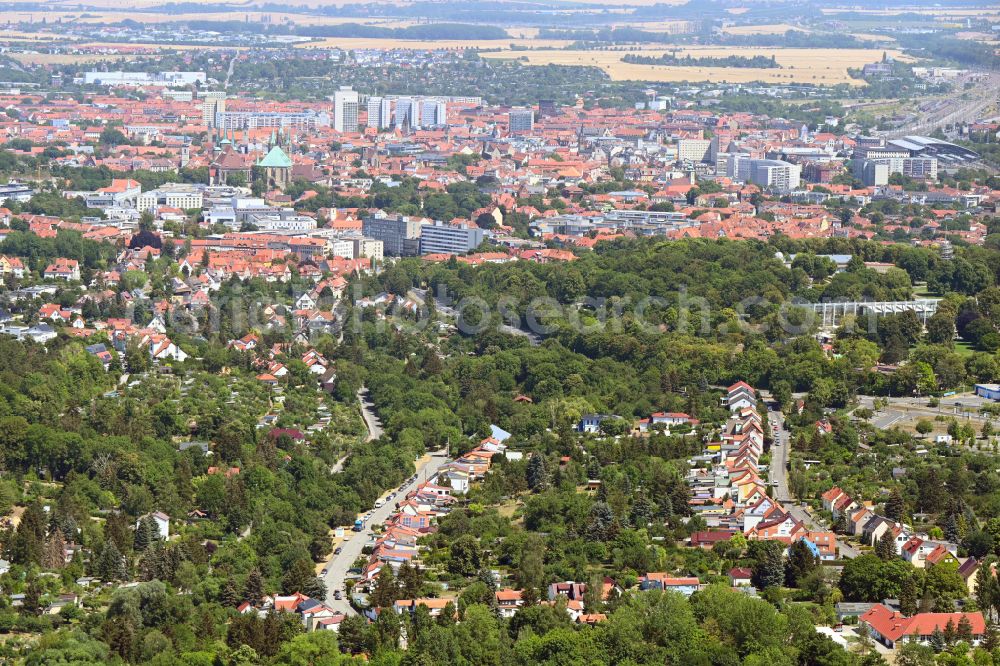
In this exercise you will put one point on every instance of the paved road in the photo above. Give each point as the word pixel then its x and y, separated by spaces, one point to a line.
pixel 777 478
pixel 336 568
pixel 887 419
pixel 372 421
pixel 229 72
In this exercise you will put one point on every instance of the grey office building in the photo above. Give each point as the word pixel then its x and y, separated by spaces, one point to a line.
pixel 521 121
pixel 441 238
pixel 400 235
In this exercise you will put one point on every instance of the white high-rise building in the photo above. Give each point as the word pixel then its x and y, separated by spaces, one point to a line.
pixel 694 150
pixel 213 103
pixel 379 112
pixel 345 110
pixel 521 121
pixel 404 112
pixel 776 175
pixel 433 112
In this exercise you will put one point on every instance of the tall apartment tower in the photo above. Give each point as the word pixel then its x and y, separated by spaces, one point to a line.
pixel 213 102
pixel 379 112
pixel 521 121
pixel 404 112
pixel 433 112
pixel 345 110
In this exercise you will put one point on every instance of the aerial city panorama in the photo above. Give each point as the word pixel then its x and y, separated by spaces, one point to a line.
pixel 511 333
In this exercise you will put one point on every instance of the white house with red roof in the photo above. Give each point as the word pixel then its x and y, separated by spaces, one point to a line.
pixel 508 602
pixel 670 420
pixel 62 269
pixel 783 527
pixel 740 576
pixel 162 348
pixel 120 192
pixel 891 628
pixel 739 396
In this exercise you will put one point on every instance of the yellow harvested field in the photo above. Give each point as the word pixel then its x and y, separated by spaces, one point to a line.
pixel 770 29
pixel 63 58
pixel 871 37
pixel 425 44
pixel 101 4
pixel 29 36
pixel 523 33
pixel 985 38
pixel 782 28
pixel 819 66
pixel 794 57
pixel 672 25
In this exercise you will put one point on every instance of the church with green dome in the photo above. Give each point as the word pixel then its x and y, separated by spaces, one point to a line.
pixel 276 169
pixel 236 162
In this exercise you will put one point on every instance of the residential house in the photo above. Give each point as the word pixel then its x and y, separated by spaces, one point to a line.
pixel 822 544
pixel 11 266
pixel 740 396
pixel 784 527
pixel 891 628
pixel 831 497
pixel 708 539
pixel 434 606
pixel 592 422
pixel 62 269
pixel 740 576
pixel 162 523
pixel 670 420
pixel 969 570
pixel 508 601
pixel 663 581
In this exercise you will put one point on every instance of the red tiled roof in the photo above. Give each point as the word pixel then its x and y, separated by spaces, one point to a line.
pixel 893 626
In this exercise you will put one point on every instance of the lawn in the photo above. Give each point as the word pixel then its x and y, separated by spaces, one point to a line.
pixel 963 348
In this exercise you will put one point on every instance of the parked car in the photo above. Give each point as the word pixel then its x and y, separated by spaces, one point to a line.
pixel 338 550
pixel 338 595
